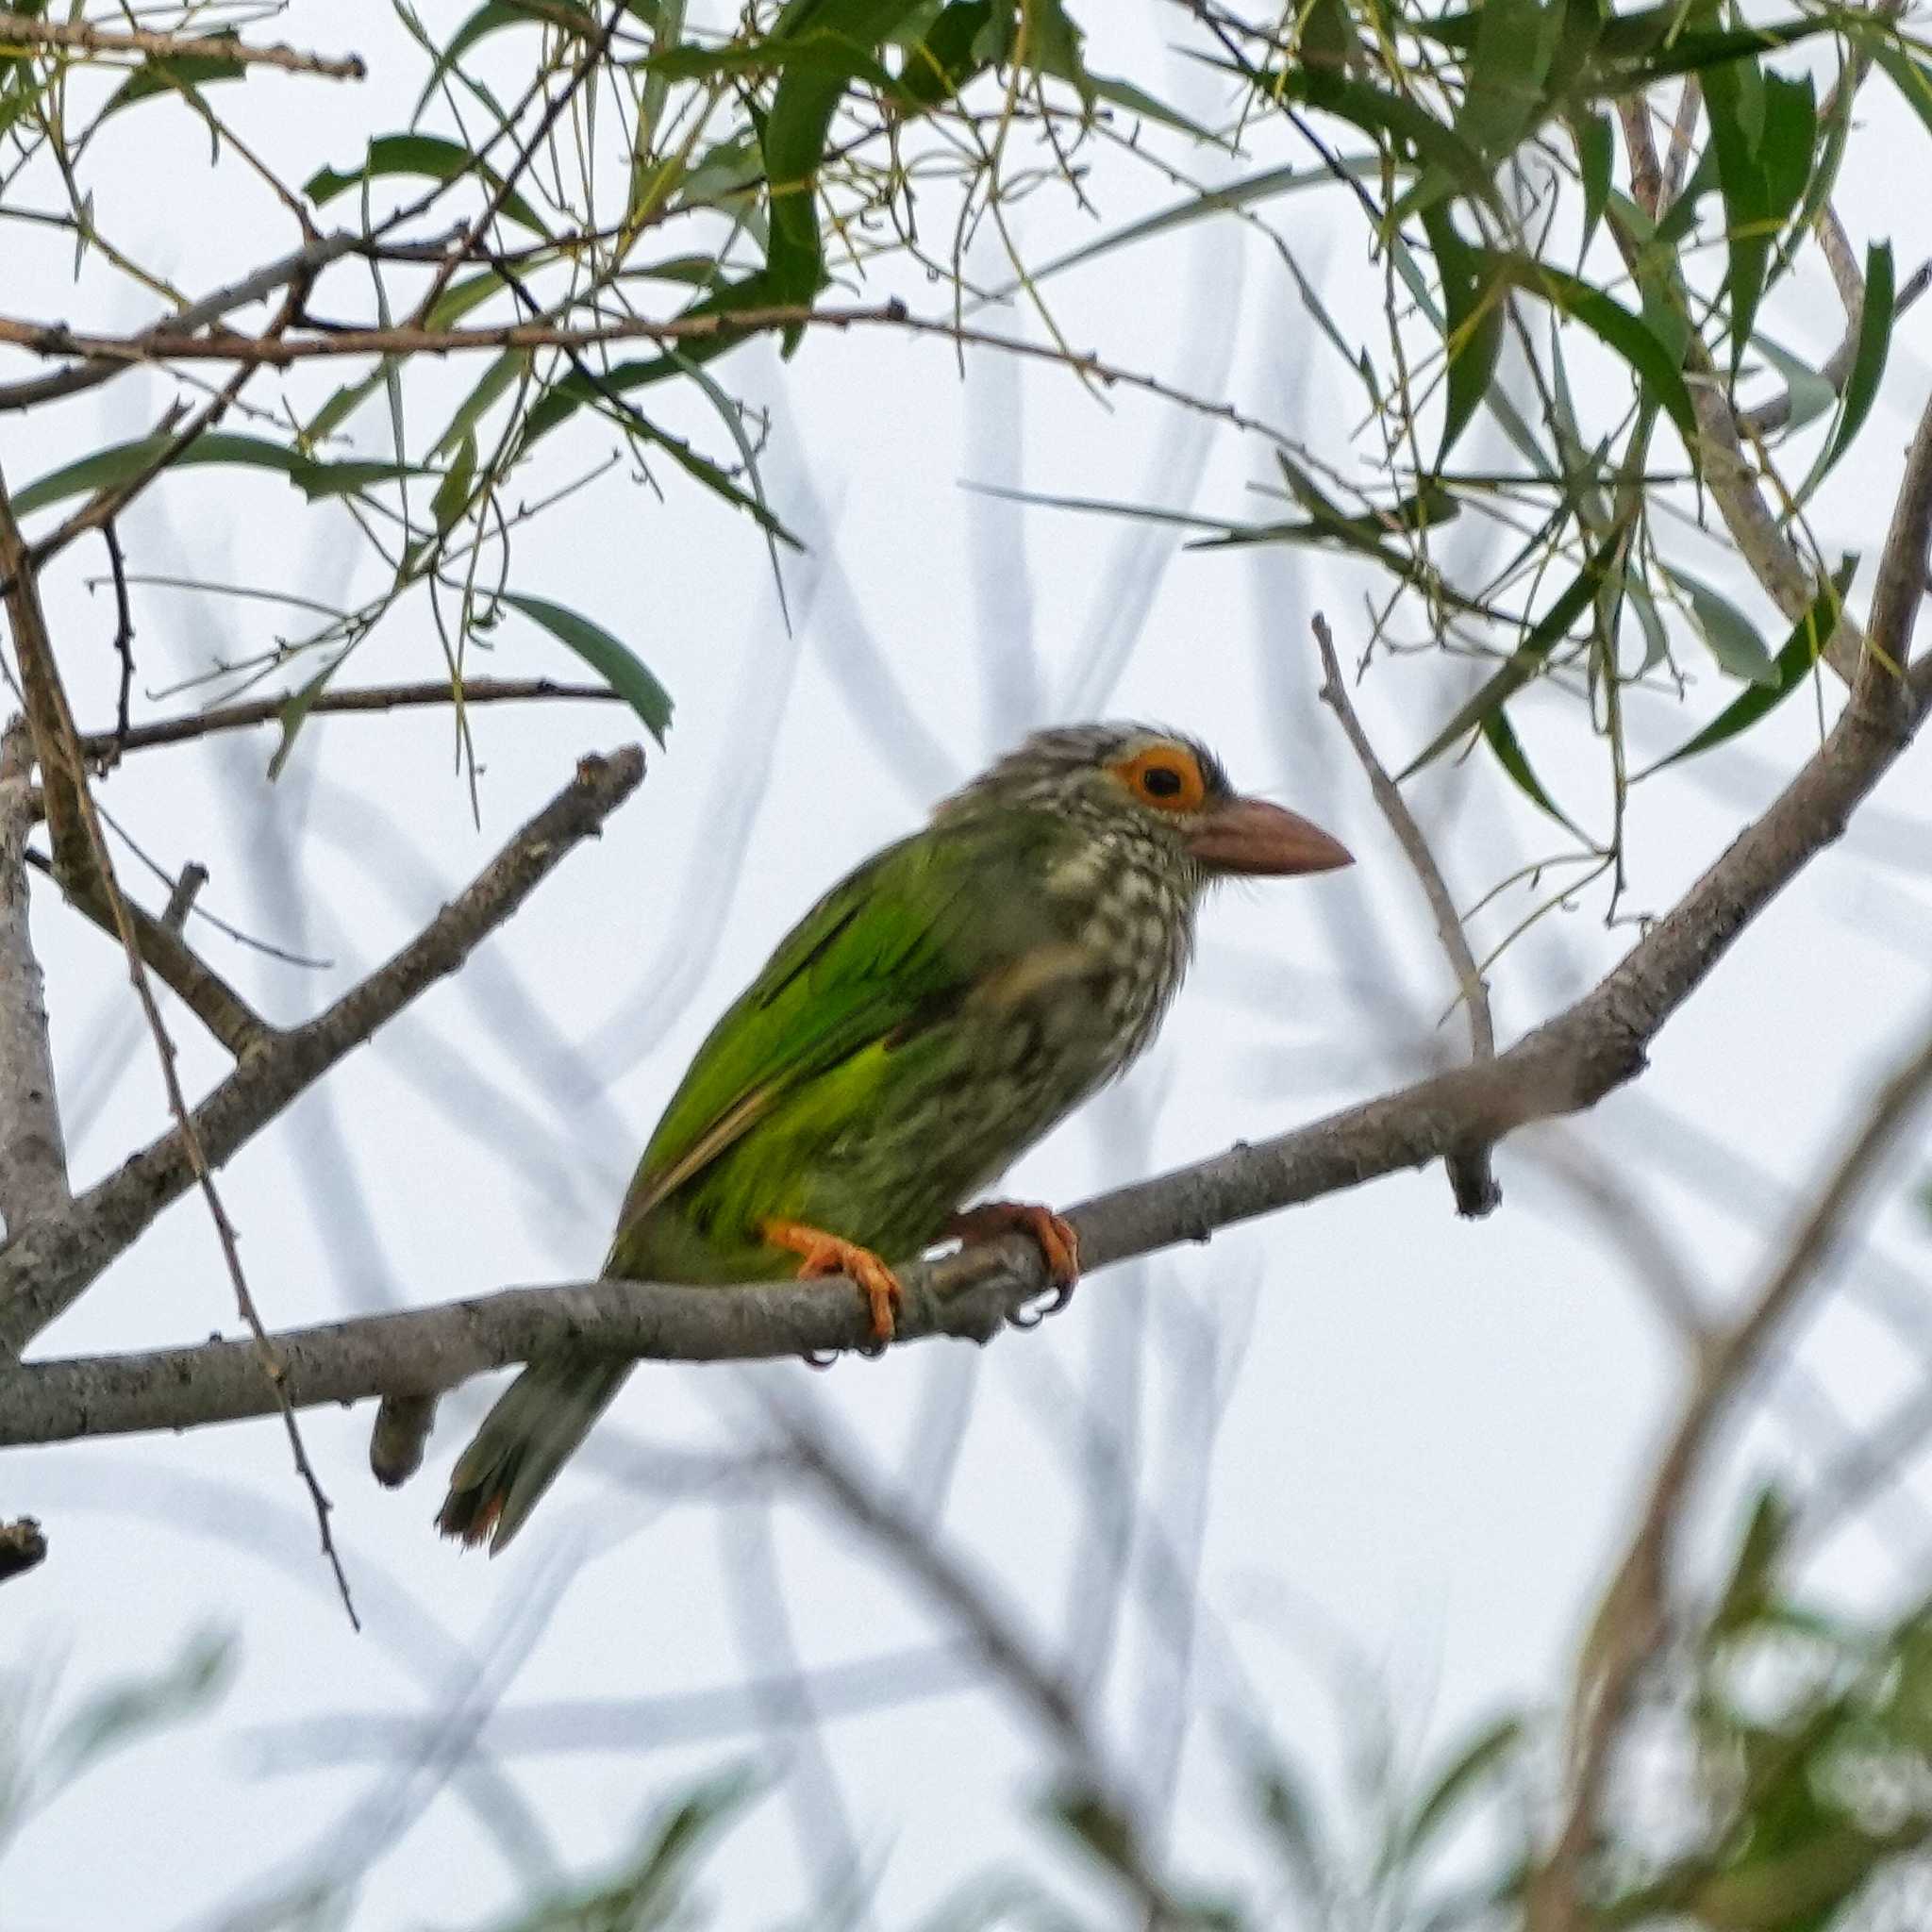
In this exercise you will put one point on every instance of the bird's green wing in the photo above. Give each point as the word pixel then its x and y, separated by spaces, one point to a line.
pixel 886 952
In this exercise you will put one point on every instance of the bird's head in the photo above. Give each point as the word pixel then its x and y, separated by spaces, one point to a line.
pixel 1156 789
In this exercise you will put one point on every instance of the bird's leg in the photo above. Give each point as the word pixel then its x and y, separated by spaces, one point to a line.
pixel 1057 1240
pixel 830 1254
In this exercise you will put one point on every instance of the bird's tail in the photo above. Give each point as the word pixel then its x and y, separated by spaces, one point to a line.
pixel 536 1428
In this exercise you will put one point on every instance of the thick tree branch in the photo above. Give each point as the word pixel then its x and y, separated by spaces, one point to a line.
pixel 52 1264
pixel 1563 1067
pixel 33 1151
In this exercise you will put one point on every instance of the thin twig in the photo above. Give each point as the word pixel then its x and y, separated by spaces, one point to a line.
pixel 1470 1175
pixel 386 697
pixel 160 345
pixel 58 745
pixel 199 988
pixel 50 1267
pixel 124 628
pixel 22 31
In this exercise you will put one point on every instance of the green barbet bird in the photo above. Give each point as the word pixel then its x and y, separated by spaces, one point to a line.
pixel 930 1017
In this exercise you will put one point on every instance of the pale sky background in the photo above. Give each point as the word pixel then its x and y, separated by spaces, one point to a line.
pixel 1380 1434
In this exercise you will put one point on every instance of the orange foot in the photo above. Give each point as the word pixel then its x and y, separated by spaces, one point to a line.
pixel 830 1254
pixel 1057 1240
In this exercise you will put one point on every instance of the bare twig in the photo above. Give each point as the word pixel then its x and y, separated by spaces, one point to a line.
pixel 165 345
pixel 124 628
pixel 199 988
pixel 51 1265
pixel 308 260
pixel 386 697
pixel 1633 1619
pixel 33 1150
pixel 1469 1176
pixel 61 748
pixel 20 30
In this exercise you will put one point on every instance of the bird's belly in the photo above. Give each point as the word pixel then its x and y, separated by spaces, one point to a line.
pixel 882 1149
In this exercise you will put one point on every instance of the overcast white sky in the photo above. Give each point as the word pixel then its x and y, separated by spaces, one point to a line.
pixel 1415 1439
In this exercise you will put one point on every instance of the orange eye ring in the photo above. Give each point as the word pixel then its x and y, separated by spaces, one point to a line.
pixel 1167 776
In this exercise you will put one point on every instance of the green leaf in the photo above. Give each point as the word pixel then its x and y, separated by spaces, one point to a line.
pixel 417 156
pixel 1053 46
pixel 1528 656
pixel 1810 394
pixel 614 661
pixel 1752 1585
pixel 122 1715
pixel 175 74
pixel 941 61
pixel 1473 324
pixel 347 400
pixel 1734 639
pixel 1763 129
pixel 452 493
pixel 569 16
pixel 1596 155
pixel 1868 361
pixel 109 468
pixel 489 386
pixel 1500 736
pixel 295 713
pixel 460 297
pixel 1503 97
pixel 795 135
pixel 1235 195
pixel 1793 666
pixel 1628 336
pixel 651 1891
pixel 1479 1759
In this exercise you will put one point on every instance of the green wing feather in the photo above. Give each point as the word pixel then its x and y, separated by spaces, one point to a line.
pixel 892 949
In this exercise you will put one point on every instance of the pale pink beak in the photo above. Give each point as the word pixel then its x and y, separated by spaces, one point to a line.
pixel 1257 839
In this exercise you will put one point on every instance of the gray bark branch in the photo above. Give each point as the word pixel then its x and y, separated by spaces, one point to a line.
pixel 52 1263
pixel 1563 1067
pixel 33 1151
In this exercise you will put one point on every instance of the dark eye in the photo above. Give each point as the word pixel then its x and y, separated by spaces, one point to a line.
pixel 1161 781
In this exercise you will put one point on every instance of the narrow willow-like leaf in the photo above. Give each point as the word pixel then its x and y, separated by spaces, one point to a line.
pixel 1734 639
pixel 1629 336
pixel 1473 318
pixel 105 469
pixel 570 17
pixel 490 387
pixel 1500 736
pixel 1528 656
pixel 417 154
pixel 1868 361
pixel 612 659
pixel 1791 667
pixel 1596 155
pixel 172 75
